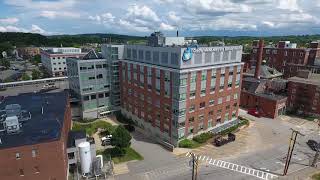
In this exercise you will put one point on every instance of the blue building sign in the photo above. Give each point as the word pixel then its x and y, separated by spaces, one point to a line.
pixel 187 54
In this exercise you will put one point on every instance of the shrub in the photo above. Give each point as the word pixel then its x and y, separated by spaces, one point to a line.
pixel 117 151
pixel 202 138
pixel 121 118
pixel 187 143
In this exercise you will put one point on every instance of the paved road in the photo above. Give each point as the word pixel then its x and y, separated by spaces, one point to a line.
pixel 261 146
pixel 13 91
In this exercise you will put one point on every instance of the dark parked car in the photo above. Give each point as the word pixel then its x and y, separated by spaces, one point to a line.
pixel 313 145
pixel 129 127
pixel 221 140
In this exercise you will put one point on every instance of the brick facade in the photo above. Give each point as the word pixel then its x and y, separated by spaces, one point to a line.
pixel 304 97
pixel 288 60
pixel 267 107
pixel 50 161
pixel 156 109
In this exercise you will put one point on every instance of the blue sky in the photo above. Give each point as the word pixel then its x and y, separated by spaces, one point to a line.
pixel 140 17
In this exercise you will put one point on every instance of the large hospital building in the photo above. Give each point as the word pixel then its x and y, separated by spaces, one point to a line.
pixel 174 89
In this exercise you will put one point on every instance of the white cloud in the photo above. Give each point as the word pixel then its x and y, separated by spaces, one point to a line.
pixel 132 27
pixel 9 20
pixel 142 12
pixel 11 29
pixel 173 17
pixel 216 7
pixel 58 14
pixel 41 4
pixel 34 29
pixel 268 23
pixel 166 27
pixel 37 29
pixel 290 5
pixel 105 18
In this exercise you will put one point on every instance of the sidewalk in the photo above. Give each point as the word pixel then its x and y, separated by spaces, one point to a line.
pixel 304 174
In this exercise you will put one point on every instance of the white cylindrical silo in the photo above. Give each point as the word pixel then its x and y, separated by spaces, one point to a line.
pixel 85 157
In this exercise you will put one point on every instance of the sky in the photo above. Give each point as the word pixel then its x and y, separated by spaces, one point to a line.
pixel 141 17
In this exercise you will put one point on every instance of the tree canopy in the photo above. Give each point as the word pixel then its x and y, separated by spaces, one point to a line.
pixel 121 137
pixel 36 74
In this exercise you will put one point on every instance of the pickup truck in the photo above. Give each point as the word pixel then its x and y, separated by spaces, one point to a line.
pixel 221 140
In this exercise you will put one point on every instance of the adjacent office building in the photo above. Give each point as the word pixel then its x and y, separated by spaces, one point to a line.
pixel 174 89
pixel 33 136
pixel 90 81
pixel 54 59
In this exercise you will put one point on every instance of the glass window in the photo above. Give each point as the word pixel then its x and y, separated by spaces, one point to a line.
pixel 193 77
pixel 106 94
pixel 86 98
pixel 34 153
pixel 192 94
pixel 36 169
pixel 192 108
pixel 101 95
pixel 18 156
pixel 183 82
pixel 211 102
pixel 202 104
pixel 21 172
pixel 93 96
pixel 191 119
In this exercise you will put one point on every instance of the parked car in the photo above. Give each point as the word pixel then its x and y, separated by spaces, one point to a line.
pixel 313 145
pixel 129 127
pixel 254 112
pixel 105 141
pixel 221 140
pixel 48 87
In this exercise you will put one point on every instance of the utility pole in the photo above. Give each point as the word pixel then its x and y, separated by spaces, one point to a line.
pixel 315 159
pixel 292 143
pixel 194 162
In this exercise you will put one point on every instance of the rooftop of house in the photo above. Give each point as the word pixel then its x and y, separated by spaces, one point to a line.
pixel 47 118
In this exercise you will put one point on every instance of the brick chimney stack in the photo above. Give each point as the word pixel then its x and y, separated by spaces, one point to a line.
pixel 259 60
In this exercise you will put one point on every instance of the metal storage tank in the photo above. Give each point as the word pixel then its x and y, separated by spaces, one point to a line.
pixel 85 157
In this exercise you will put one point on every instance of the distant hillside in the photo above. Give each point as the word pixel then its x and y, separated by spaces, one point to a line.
pixel 9 39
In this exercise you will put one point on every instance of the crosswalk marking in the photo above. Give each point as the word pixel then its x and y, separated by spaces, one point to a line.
pixel 235 167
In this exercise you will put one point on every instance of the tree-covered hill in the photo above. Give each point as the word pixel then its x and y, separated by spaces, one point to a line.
pixel 10 39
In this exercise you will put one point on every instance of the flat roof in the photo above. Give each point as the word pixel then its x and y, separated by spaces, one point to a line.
pixel 74 135
pixel 314 79
pixel 40 128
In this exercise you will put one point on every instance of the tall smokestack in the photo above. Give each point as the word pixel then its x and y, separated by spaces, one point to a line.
pixel 259 60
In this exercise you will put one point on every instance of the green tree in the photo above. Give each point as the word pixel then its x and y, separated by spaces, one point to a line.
pixel 35 74
pixel 121 138
pixel 36 59
pixel 5 63
pixel 25 77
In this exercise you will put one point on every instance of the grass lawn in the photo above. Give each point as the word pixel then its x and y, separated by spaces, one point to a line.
pixel 130 155
pixel 316 176
pixel 92 128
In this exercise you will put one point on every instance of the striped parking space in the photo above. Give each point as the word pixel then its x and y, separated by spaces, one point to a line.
pixel 234 167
